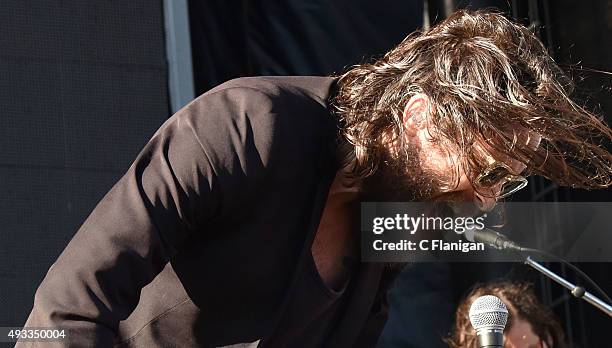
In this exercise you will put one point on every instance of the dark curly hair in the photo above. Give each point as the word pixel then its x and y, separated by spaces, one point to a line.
pixel 488 80
pixel 521 302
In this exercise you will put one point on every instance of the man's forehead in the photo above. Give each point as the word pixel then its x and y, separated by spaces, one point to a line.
pixel 524 138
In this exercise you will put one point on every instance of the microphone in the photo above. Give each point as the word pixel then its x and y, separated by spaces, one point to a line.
pixel 489 315
pixel 491 238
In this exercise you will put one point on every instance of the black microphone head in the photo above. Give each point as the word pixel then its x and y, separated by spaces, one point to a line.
pixel 488 313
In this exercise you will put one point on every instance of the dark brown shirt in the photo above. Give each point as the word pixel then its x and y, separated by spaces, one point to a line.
pixel 206 240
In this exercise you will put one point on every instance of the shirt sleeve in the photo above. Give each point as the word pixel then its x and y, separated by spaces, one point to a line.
pixel 191 171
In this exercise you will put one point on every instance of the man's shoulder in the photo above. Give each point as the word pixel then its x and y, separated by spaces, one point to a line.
pixel 267 112
pixel 316 88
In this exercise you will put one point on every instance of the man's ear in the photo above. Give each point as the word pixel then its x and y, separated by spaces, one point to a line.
pixel 415 113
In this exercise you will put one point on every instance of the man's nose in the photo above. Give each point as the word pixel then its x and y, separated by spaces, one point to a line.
pixel 485 203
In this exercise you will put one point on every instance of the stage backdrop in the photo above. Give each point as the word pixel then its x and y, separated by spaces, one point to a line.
pixel 82 88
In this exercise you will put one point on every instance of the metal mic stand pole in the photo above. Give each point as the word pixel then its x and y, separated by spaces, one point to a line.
pixel 577 291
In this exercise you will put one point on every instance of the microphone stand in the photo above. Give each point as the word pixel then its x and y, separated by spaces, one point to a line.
pixel 577 291
pixel 501 242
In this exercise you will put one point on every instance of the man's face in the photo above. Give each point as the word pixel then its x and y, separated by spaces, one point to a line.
pixel 439 166
pixel 453 183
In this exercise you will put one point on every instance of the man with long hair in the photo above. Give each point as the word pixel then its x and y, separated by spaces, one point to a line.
pixel 238 221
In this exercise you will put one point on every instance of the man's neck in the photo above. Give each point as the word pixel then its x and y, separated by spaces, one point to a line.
pixel 335 239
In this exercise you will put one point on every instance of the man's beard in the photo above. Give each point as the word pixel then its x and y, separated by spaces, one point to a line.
pixel 406 179
pixel 401 179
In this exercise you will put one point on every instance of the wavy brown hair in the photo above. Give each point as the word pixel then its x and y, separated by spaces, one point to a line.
pixel 488 80
pixel 521 302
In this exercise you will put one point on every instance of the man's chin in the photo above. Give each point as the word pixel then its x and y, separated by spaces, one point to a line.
pixel 457 204
pixel 397 189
